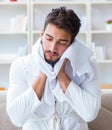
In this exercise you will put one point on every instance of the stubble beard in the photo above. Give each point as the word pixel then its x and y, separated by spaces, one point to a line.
pixel 50 60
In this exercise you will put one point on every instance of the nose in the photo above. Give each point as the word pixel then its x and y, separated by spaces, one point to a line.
pixel 53 47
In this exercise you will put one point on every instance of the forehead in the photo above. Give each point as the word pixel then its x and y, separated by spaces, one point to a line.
pixel 56 32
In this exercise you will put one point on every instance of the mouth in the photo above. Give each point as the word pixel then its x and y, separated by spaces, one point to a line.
pixel 52 54
pixel 51 57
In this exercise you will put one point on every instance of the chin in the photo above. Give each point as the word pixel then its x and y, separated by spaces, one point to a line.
pixel 52 61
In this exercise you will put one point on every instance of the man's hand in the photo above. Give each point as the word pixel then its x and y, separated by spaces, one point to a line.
pixel 39 84
pixel 63 78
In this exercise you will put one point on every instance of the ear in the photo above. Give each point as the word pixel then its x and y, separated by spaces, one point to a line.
pixel 42 32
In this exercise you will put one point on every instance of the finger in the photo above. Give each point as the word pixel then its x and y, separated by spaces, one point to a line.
pixel 65 60
pixel 64 63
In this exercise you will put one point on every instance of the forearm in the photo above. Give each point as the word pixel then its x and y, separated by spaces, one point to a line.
pixel 21 107
pixel 39 84
pixel 64 80
pixel 86 102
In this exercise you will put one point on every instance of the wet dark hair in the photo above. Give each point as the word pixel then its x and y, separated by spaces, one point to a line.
pixel 65 19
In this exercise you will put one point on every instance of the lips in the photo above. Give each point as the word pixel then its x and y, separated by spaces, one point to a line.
pixel 52 54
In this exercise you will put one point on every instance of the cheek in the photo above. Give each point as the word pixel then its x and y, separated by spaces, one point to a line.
pixel 45 45
pixel 61 51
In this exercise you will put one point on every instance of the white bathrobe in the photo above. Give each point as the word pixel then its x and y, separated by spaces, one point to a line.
pixel 56 110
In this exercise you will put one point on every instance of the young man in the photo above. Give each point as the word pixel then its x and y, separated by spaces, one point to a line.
pixel 56 86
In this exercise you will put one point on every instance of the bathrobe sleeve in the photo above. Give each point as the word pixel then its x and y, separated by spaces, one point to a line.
pixel 22 101
pixel 86 98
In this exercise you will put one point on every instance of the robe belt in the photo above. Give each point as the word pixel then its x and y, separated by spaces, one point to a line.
pixel 54 120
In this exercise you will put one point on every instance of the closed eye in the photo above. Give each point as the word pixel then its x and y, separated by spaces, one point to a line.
pixel 48 37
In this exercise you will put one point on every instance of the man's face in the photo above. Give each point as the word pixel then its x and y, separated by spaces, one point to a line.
pixel 54 42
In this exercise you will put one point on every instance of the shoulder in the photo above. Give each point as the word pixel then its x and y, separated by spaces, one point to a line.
pixel 21 62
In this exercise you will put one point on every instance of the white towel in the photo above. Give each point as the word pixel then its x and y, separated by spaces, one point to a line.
pixel 78 55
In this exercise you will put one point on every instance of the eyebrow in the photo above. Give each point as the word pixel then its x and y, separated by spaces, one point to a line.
pixel 59 39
